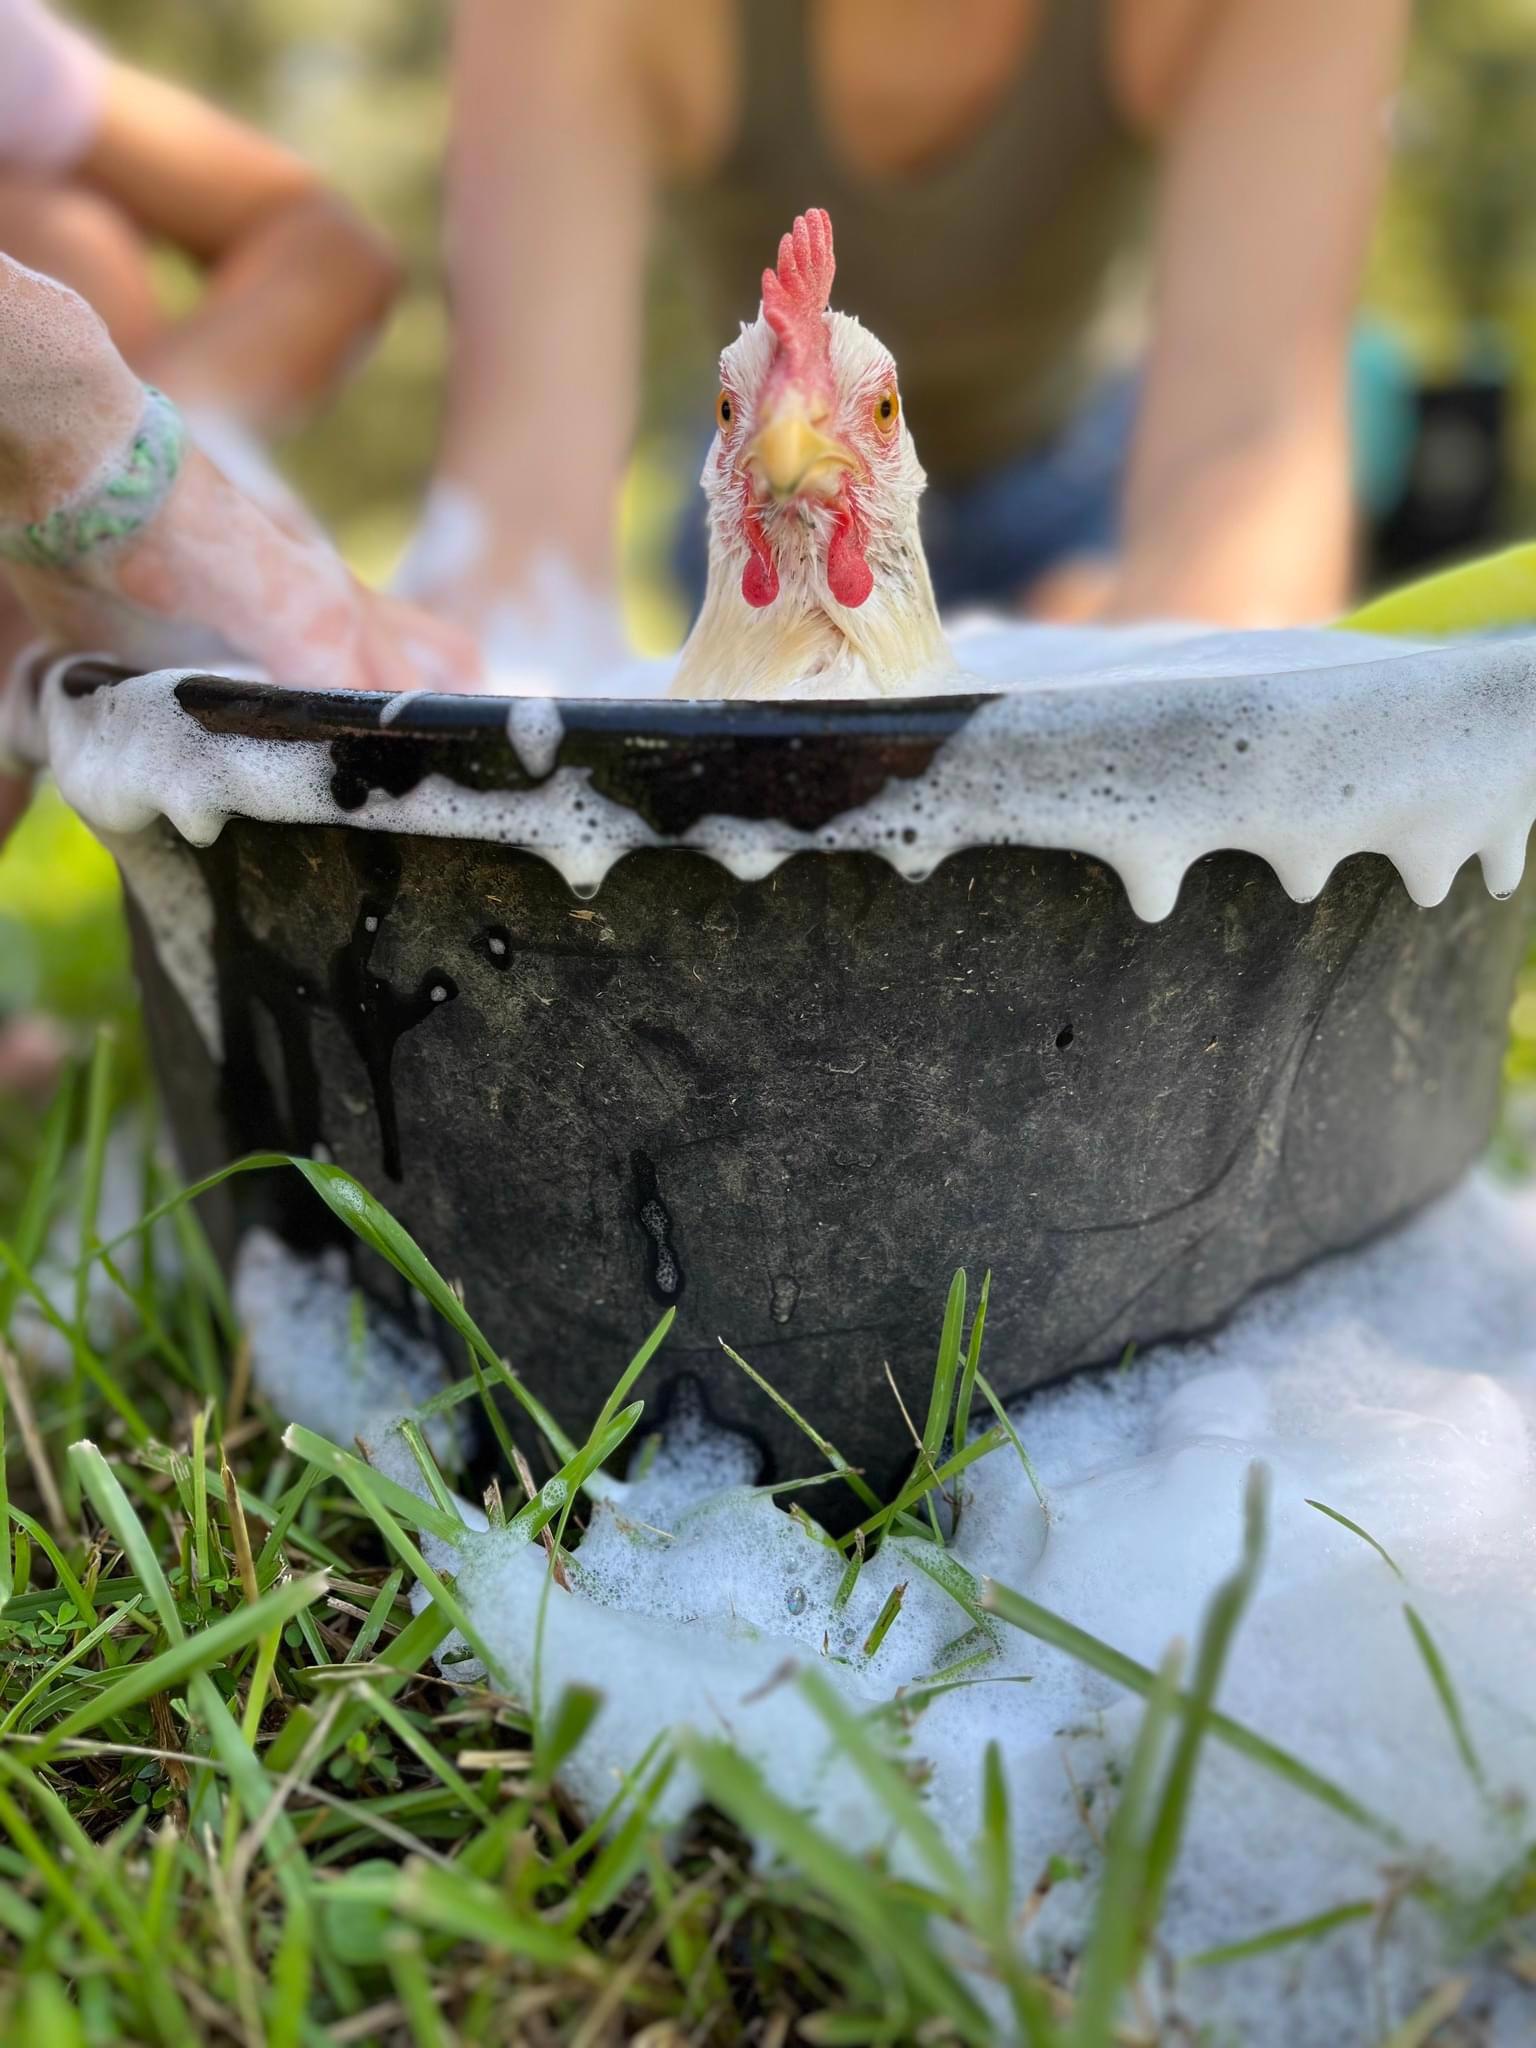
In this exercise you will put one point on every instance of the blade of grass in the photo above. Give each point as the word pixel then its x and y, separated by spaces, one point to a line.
pixel 1442 2004
pixel 427 1465
pixel 1355 1529
pixel 925 1481
pixel 1282 1937
pixel 37 1208
pixel 425 1754
pixel 377 1496
pixel 885 1620
pixel 378 1618
pixel 1114 1948
pixel 889 1931
pixel 398 1499
pixel 67 1580
pixel 452 1902
pixel 941 1394
pixel 621 1855
pixel 369 1220
pixel 892 1790
pixel 989 1395
pixel 1429 1654
pixel 829 1451
pixel 972 1364
pixel 1445 1691
pixel 1227 1606
pixel 247 1777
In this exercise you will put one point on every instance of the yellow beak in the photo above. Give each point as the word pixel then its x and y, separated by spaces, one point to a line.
pixel 790 454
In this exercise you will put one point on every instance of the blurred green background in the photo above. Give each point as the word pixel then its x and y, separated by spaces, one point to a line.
pixel 359 87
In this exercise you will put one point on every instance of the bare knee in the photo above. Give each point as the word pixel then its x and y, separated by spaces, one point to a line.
pixel 89 244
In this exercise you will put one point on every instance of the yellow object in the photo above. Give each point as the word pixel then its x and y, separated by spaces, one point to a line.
pixel 1484 596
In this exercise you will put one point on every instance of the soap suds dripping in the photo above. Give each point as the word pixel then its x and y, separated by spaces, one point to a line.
pixel 1143 751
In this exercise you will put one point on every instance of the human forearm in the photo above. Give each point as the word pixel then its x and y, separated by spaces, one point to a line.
pixel 1237 505
pixel 1249 526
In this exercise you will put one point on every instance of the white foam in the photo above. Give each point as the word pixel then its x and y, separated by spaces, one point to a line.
pixel 326 1355
pixel 1143 751
pixel 172 898
pixel 1398 1385
pixel 535 729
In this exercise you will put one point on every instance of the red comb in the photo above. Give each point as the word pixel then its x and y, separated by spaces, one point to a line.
pixel 797 294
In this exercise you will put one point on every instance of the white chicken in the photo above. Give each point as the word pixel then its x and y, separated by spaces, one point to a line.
pixel 817 582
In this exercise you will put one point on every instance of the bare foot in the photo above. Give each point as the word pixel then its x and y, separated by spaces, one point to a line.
pixel 207 575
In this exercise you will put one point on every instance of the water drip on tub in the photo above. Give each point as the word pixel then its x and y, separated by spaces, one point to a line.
pixel 375 1014
pixel 783 1296
pixel 253 977
pixel 655 1219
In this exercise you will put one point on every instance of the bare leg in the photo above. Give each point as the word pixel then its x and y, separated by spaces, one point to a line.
pixel 209 574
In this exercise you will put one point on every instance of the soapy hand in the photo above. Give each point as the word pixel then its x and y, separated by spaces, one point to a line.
pixel 120 537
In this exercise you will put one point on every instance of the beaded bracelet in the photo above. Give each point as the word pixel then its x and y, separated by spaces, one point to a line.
pixel 125 497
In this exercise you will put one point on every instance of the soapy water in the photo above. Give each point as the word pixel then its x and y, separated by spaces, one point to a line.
pixel 1397 1385
pixel 1143 750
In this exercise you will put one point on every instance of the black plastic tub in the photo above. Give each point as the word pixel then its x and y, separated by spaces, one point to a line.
pixel 790 1107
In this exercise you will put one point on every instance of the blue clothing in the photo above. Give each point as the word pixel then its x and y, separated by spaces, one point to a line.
pixel 989 539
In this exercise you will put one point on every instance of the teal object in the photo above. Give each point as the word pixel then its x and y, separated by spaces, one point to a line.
pixel 1383 416
pixel 125 498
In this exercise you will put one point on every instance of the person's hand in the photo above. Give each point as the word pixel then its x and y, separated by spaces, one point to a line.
pixel 189 570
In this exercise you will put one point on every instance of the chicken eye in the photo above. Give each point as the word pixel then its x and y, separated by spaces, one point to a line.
pixel 887 410
pixel 725 411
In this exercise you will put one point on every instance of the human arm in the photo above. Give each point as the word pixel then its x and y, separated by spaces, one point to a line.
pixel 295 280
pixel 119 536
pixel 548 204
pixel 1237 505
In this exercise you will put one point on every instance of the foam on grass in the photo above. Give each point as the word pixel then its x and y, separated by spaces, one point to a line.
pixel 1397 1385
pixel 326 1355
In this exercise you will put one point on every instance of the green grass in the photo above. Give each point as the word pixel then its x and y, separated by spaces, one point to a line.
pixel 238 1800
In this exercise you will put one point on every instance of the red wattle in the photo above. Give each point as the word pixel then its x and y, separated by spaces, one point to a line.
pixel 849 576
pixel 760 577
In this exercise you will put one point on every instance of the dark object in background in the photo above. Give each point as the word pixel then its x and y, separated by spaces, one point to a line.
pixel 789 1108
pixel 1452 501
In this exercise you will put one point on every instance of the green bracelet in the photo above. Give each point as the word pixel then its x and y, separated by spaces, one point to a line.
pixel 126 497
